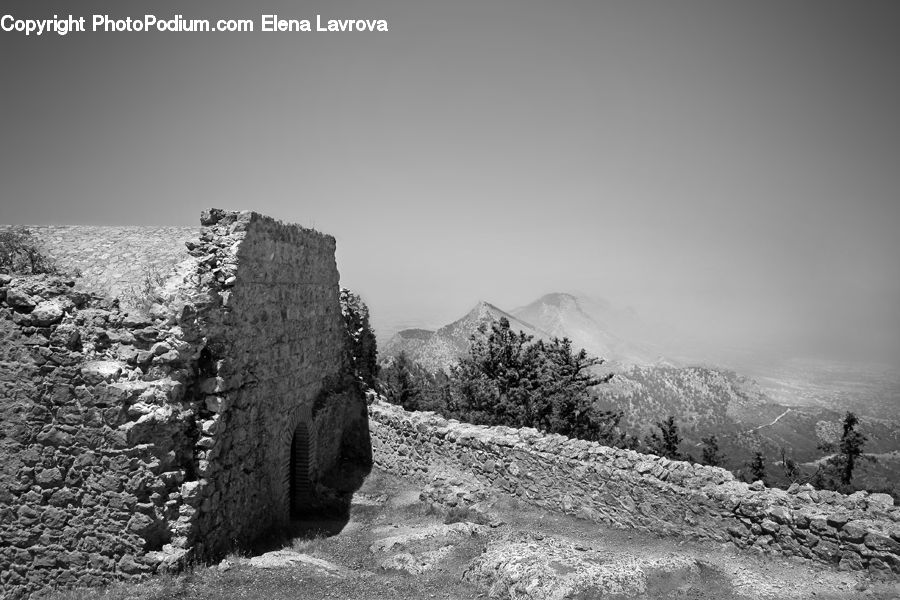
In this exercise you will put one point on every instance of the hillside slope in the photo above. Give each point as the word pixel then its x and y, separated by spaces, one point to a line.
pixel 736 409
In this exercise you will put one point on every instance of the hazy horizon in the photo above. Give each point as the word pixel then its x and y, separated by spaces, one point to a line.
pixel 731 169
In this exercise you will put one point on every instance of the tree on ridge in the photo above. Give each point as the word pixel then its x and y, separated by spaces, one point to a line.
pixel 837 472
pixel 711 455
pixel 758 467
pixel 667 440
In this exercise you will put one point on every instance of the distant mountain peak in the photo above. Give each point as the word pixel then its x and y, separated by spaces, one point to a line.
pixel 557 314
pixel 557 298
pixel 485 307
pixel 439 349
pixel 485 311
pixel 556 302
pixel 561 300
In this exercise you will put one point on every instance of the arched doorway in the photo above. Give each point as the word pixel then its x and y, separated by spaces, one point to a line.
pixel 300 485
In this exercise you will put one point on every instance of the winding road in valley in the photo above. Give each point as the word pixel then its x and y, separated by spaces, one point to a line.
pixel 778 418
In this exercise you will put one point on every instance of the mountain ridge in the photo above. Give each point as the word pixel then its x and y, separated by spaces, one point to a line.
pixel 437 350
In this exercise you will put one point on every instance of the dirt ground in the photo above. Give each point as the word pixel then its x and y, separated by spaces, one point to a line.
pixel 393 546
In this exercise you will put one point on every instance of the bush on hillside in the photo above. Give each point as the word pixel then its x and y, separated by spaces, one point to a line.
pixel 20 254
pixel 361 347
pixel 406 383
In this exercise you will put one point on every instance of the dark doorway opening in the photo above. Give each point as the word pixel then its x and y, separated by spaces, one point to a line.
pixel 311 515
pixel 320 495
pixel 302 496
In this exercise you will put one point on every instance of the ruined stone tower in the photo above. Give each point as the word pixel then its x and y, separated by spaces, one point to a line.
pixel 193 421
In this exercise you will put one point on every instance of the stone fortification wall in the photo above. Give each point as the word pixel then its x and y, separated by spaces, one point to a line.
pixel 626 489
pixel 275 362
pixel 93 453
pixel 113 261
pixel 131 442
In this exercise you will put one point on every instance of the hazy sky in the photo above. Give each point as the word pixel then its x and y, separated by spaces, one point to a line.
pixel 730 167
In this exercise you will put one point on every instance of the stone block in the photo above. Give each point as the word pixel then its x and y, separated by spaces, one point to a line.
pixel 882 543
pixel 128 565
pixel 136 321
pixel 66 335
pixel 63 497
pixel 880 569
pixel 190 491
pixel 853 531
pixel 19 299
pixel 51 477
pixel 99 371
pixel 827 550
pixel 837 520
pixel 769 526
pixel 882 501
pixel 47 312
pixel 779 514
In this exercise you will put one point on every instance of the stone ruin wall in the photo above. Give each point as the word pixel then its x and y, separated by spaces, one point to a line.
pixel 276 360
pixel 130 443
pixel 462 463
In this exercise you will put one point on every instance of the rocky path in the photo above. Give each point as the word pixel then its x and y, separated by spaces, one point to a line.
pixel 517 552
pixel 396 546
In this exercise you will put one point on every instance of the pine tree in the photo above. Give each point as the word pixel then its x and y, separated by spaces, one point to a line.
pixel 667 441
pixel 492 386
pixel 399 384
pixel 837 473
pixel 790 467
pixel 711 454
pixel 563 403
pixel 851 448
pixel 758 467
pixel 511 379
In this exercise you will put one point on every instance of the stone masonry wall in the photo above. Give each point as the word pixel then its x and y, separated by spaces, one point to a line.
pixel 276 357
pixel 93 449
pixel 132 442
pixel 626 489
